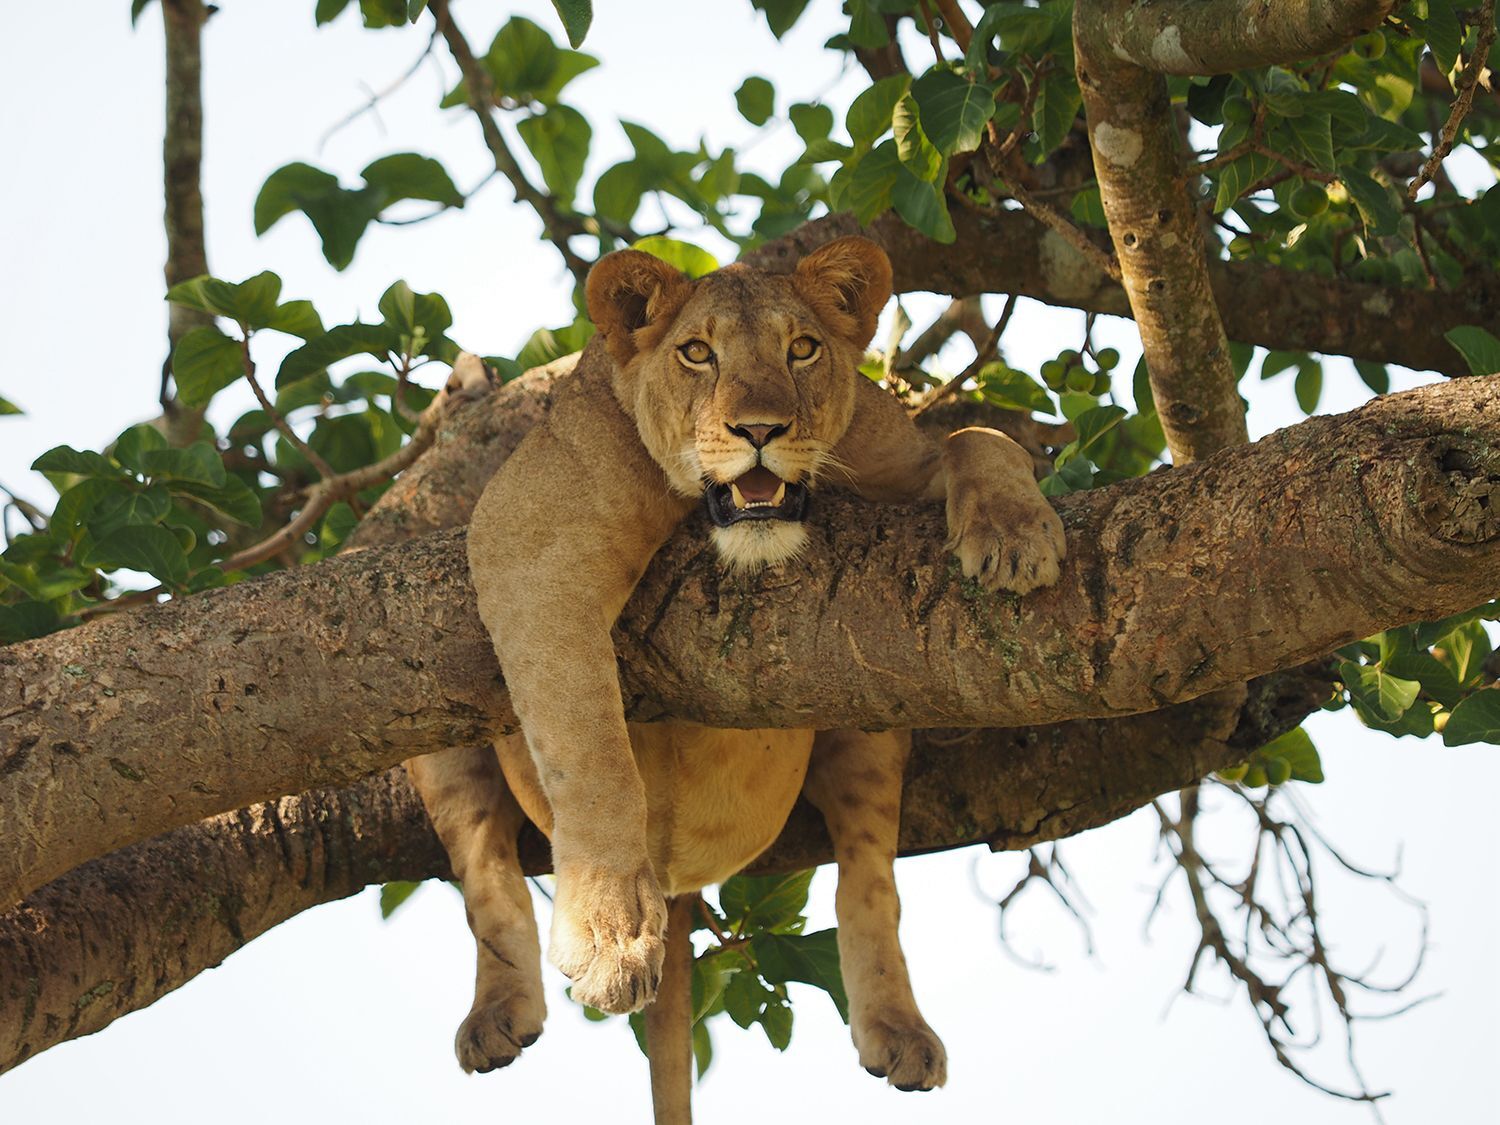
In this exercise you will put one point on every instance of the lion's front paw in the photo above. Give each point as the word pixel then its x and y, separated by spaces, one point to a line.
pixel 607 933
pixel 494 1034
pixel 1006 542
pixel 902 1049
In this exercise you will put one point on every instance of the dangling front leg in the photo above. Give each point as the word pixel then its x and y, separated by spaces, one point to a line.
pixel 854 780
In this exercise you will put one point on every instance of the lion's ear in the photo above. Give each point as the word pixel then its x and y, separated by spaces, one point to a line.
pixel 627 291
pixel 848 280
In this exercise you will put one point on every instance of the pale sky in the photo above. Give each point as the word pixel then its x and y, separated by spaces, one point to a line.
pixel 337 1013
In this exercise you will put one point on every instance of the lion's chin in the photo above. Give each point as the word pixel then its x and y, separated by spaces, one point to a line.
pixel 749 546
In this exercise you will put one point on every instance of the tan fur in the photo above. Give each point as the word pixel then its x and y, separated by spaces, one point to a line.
pixel 557 543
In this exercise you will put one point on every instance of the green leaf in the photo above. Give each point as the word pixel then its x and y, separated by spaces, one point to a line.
pixel 953 111
pixel 74 505
pixel 1057 103
pixel 780 14
pixel 1444 36
pixel 1476 719
pixel 1009 389
pixel 765 901
pixel 1373 202
pixel 1376 691
pixel 136 441
pixel 691 260
pixel 1296 748
pixel 869 114
pixel 1376 376
pixel 745 997
pixel 756 100
pixel 153 550
pixel 920 157
pixel 392 895
pixel 8 407
pixel 139 6
pixel 297 318
pixel 1239 176
pixel 559 141
pixel 576 16
pixel 872 182
pixel 703 1048
pixel 1480 349
pixel 776 1021
pixel 234 499
pixel 407 175
pixel 814 122
pixel 923 206
pixel 1093 424
pixel 327 10
pixel 407 312
pixel 1312 137
pixel 1309 387
pixel 547 344
pixel 80 462
pixel 808 958
pixel 521 59
pixel 26 621
pixel 340 342
pixel 290 188
pixel 199 463
pixel 617 192
pixel 125 507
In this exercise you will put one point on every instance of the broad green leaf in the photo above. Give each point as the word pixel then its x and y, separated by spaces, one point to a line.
pixel 340 342
pixel 139 6
pixel 776 1020
pixel 808 958
pixel 1385 696
pixel 1308 387
pixel 8 407
pixel 1009 389
pixel 745 997
pixel 205 362
pixel 1239 176
pixel 922 205
pixel 872 182
pixel 234 499
pixel 79 462
pixel 953 111
pixel 1376 376
pixel 297 318
pixel 1480 349
pixel 765 901
pixel 198 463
pixel 1296 748
pixel 1476 719
pixel 392 895
pixel 869 115
pixel 406 311
pixel 690 259
pixel 136 441
pixel 559 141
pixel 125 507
pixel 1444 36
pixel 155 550
pixel 1093 424
pixel 290 188
pixel 1373 202
pixel 407 175
pixel 547 344
pixel 920 157
pixel 328 10
pixel 780 14
pixel 26 621
pixel 703 1048
pixel 756 100
pixel 1058 100
pixel 576 15
pixel 814 122
pixel 617 193
pixel 1312 138
pixel 521 59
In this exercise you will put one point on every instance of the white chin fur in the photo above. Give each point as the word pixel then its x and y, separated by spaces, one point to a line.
pixel 749 546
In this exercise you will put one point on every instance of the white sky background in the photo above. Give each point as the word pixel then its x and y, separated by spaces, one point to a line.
pixel 336 1013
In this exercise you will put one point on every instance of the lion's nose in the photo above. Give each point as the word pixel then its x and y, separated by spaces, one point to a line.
pixel 759 434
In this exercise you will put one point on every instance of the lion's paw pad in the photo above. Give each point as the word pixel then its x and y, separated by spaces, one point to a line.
pixel 494 1035
pixel 904 1051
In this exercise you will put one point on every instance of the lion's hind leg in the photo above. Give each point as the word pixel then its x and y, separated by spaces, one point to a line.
pixel 478 820
pixel 855 782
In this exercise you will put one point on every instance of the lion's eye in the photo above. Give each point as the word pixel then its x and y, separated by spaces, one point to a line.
pixel 696 352
pixel 803 348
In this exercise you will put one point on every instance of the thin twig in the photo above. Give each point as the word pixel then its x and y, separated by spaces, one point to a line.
pixel 314 458
pixel 981 357
pixel 376 98
pixel 932 32
pixel 1468 82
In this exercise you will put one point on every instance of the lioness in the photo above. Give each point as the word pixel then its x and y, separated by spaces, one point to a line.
pixel 738 392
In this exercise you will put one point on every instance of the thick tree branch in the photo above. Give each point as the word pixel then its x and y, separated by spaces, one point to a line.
pixel 1009 252
pixel 1192 37
pixel 127 727
pixel 120 932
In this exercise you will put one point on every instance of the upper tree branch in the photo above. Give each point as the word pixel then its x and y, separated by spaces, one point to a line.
pixel 126 727
pixel 1009 252
pixel 1191 37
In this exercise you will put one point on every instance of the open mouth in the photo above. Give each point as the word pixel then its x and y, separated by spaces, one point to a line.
pixel 757 495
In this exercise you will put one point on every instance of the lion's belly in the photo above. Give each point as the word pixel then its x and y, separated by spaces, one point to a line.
pixel 715 799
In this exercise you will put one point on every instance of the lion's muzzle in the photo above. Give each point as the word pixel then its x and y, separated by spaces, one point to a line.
pixel 756 495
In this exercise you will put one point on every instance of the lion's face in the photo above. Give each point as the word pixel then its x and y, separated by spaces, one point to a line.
pixel 742 382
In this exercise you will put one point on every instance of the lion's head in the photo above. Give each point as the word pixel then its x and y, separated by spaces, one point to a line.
pixel 742 382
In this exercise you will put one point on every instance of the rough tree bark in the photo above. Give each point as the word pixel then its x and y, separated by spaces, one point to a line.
pixel 1179 583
